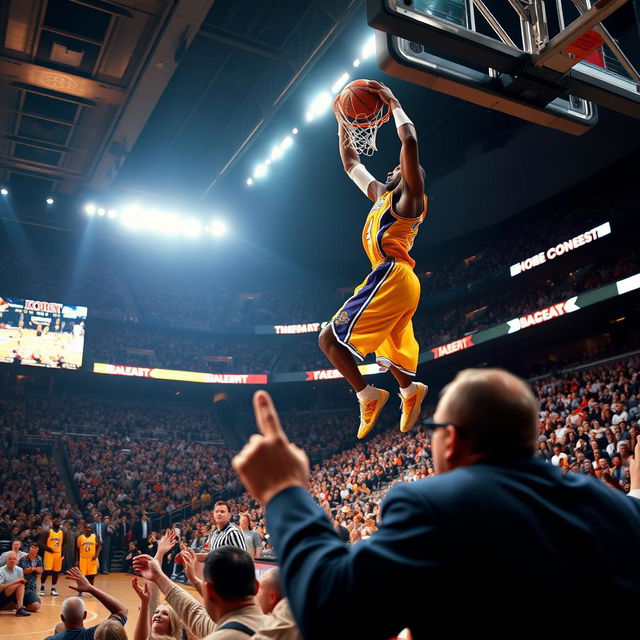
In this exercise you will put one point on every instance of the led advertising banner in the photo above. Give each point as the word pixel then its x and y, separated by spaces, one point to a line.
pixel 181 376
pixel 41 333
pixel 560 249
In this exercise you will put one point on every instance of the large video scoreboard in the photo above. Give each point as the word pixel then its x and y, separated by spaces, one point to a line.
pixel 41 333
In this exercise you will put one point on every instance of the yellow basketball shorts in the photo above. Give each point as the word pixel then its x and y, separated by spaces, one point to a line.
pixel 377 317
pixel 87 566
pixel 52 561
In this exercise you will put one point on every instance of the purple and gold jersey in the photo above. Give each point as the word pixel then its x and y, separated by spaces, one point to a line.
pixel 386 235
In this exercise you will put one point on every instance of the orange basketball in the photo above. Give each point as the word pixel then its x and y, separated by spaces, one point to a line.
pixel 358 101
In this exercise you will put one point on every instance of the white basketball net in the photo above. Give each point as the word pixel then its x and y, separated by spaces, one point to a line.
pixel 362 131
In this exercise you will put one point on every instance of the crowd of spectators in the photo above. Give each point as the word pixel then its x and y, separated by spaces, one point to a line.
pixel 83 415
pixel 141 346
pixel 587 424
pixel 434 325
pixel 122 477
pixel 30 489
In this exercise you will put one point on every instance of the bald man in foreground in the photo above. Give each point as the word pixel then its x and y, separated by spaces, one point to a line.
pixel 497 536
pixel 73 613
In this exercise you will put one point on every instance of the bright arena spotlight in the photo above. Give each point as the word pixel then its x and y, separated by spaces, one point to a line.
pixel 4 192
pixel 339 83
pixel 90 208
pixel 320 104
pixel 192 228
pixel 260 171
pixel 369 48
pixel 218 228
pixel 49 200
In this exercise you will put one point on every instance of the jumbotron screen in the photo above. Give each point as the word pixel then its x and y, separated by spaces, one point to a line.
pixel 41 333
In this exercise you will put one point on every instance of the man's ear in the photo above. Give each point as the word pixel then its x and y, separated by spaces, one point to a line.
pixel 211 592
pixel 84 617
pixel 454 445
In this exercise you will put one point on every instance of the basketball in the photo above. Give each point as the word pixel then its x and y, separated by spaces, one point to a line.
pixel 358 101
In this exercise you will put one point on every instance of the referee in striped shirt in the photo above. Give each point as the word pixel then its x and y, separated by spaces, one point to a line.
pixel 224 533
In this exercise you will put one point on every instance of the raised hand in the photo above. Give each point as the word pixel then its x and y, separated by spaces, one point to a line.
pixel 148 567
pixel 269 463
pixel 189 561
pixel 142 591
pixel 385 94
pixel 166 543
pixel 82 584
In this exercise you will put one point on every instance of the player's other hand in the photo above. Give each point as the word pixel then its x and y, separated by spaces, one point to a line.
pixel 148 567
pixel 82 584
pixel 385 94
pixel 269 463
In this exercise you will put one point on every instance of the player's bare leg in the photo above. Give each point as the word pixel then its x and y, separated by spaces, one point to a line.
pixel 371 400
pixel 412 395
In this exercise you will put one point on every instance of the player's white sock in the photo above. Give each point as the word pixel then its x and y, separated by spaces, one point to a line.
pixel 368 393
pixel 409 391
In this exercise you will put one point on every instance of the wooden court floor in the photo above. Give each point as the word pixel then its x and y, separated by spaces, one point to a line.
pixel 40 625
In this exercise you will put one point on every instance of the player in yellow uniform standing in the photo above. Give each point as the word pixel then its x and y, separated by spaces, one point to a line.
pixel 52 542
pixel 377 317
pixel 87 550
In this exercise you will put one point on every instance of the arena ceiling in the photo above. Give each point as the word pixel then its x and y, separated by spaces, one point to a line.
pixel 180 98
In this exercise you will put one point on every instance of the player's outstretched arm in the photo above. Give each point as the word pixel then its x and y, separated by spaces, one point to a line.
pixel 412 200
pixel 354 168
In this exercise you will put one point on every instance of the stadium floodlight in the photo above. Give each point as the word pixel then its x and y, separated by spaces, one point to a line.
pixel 249 181
pixel 339 83
pixel 191 227
pixel 168 223
pixel 90 208
pixel 276 153
pixel 101 211
pixel 356 62
pixel 309 116
pixel 260 171
pixel 294 131
pixel 112 213
pixel 286 143
pixel 4 192
pixel 267 161
pixel 49 200
pixel 369 48
pixel 218 228
pixel 321 103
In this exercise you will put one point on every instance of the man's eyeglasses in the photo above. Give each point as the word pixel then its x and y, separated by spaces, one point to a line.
pixel 430 426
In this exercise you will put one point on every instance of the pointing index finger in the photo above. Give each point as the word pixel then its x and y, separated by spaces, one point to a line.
pixel 266 415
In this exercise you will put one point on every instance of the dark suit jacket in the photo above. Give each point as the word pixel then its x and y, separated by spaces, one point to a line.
pixel 137 530
pixel 465 551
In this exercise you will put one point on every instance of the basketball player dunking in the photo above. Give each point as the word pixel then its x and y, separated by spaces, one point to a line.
pixel 377 317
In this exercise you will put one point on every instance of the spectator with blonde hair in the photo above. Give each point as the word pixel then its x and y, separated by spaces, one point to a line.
pixel 164 620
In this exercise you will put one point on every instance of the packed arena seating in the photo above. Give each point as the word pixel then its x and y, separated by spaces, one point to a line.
pixel 188 351
pixel 127 477
pixel 30 488
pixel 90 416
pixel 434 325
pixel 588 424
